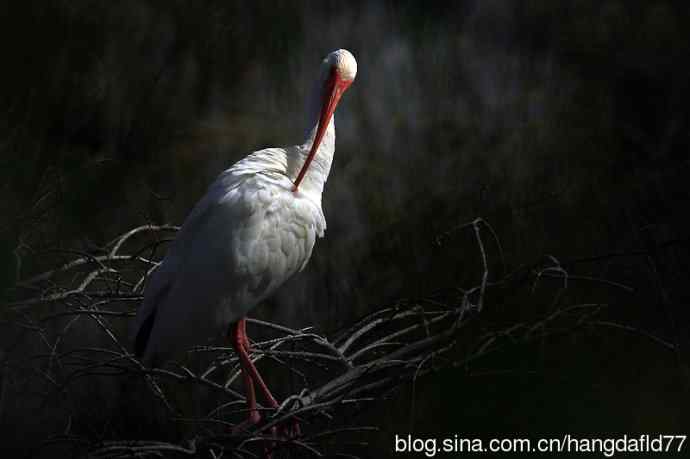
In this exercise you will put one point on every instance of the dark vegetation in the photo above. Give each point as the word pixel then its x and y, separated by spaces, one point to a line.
pixel 561 124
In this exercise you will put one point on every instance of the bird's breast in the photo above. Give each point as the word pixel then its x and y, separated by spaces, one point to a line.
pixel 272 232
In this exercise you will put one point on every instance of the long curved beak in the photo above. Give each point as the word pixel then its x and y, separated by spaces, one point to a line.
pixel 335 87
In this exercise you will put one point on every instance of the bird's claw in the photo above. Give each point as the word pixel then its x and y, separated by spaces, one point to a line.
pixel 291 429
pixel 244 427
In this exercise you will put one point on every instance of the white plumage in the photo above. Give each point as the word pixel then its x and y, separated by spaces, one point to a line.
pixel 247 235
pixel 255 228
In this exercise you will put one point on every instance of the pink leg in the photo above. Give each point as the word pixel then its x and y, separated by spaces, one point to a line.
pixel 239 343
pixel 248 365
pixel 251 375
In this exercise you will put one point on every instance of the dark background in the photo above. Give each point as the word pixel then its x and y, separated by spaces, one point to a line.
pixel 562 124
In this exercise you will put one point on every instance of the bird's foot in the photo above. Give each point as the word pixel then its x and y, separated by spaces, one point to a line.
pixel 291 427
pixel 289 430
pixel 276 437
pixel 281 435
pixel 243 427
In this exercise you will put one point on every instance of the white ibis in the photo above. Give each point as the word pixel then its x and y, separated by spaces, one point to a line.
pixel 255 227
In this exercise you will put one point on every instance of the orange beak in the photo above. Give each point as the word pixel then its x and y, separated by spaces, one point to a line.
pixel 335 87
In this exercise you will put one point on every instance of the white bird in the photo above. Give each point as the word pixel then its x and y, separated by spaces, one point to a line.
pixel 255 227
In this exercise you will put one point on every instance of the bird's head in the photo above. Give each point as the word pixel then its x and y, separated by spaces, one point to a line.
pixel 341 62
pixel 338 71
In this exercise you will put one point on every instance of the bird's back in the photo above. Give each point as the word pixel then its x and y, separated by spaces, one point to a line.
pixel 247 235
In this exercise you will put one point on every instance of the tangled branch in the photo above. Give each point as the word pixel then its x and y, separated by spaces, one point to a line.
pixel 78 312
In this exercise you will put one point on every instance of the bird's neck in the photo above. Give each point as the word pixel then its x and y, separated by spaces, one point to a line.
pixel 317 174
